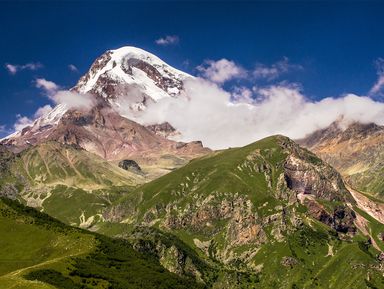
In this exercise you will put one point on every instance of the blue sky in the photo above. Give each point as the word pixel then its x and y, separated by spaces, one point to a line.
pixel 329 48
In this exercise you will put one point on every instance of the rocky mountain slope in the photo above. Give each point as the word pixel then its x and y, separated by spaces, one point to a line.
pixel 104 132
pixel 357 152
pixel 270 207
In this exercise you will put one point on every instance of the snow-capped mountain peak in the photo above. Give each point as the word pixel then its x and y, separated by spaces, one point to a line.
pixel 132 73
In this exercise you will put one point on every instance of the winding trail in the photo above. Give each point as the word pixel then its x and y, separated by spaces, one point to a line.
pixel 54 260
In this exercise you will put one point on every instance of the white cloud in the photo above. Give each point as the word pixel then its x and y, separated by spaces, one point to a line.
pixel 377 87
pixel 42 111
pixel 48 86
pixel 73 99
pixel 22 122
pixel 73 68
pixel 69 98
pixel 208 113
pixel 57 96
pixel 3 128
pixel 221 71
pixel 14 68
pixel 168 40
pixel 275 70
pixel 32 66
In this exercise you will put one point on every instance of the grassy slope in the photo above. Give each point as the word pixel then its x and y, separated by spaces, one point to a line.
pixel 52 163
pixel 318 267
pixel 370 181
pixel 39 248
pixel 218 173
pixel 68 183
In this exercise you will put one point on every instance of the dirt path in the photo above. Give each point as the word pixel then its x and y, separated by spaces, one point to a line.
pixel 19 271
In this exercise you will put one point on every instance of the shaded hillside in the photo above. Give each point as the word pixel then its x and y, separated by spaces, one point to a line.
pixel 40 252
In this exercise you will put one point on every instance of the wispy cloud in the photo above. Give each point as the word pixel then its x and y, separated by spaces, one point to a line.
pixel 3 128
pixel 48 86
pixel 275 70
pixel 221 70
pixel 379 84
pixel 73 68
pixel 24 121
pixel 168 40
pixel 14 68
pixel 59 96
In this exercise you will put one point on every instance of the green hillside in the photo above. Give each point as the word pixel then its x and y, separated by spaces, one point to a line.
pixel 267 215
pixel 66 182
pixel 40 252
pixel 270 208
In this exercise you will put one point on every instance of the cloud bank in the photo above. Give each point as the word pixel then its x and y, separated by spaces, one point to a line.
pixel 207 112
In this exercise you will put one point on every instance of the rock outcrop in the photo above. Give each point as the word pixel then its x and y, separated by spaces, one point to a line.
pixel 130 165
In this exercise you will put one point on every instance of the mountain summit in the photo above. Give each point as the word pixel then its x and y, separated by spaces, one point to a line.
pixel 133 72
pixel 127 77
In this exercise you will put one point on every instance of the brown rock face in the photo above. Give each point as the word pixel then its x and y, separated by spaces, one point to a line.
pixel 164 129
pixel 244 226
pixel 317 180
pixel 342 218
pixel 113 137
pixel 357 152
pixel 161 81
pixel 104 132
pixel 313 182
